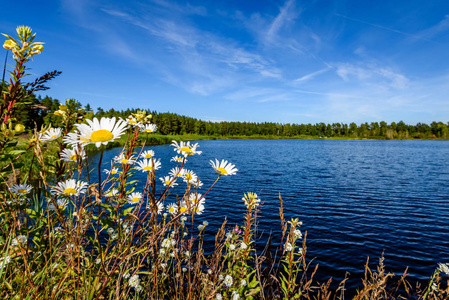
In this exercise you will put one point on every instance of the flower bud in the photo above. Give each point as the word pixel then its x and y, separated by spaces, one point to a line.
pixel 19 128
pixel 9 45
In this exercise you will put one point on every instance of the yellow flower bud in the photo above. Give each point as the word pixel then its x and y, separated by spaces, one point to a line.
pixel 19 128
pixel 9 45
pixel 38 48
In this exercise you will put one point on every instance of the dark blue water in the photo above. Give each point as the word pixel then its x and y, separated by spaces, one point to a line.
pixel 357 199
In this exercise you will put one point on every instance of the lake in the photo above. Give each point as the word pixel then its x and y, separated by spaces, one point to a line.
pixel 356 198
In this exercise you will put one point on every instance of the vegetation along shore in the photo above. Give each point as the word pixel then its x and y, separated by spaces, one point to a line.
pixel 65 234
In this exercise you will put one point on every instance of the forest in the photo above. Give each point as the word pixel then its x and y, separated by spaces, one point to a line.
pixel 175 124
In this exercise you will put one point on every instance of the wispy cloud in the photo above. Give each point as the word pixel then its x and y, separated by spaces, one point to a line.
pixel 310 76
pixel 433 31
pixel 280 20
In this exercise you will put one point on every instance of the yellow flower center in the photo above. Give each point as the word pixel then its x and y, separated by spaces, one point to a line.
pixel 172 209
pixel 69 191
pixel 188 177
pixel 148 168
pixel 185 149
pixel 148 130
pixel 132 121
pixel 167 182
pixel 222 171
pixel 73 157
pixel 135 199
pixel 183 209
pixel 114 172
pixel 101 135
pixel 148 156
pixel 22 191
pixel 124 161
pixel 54 136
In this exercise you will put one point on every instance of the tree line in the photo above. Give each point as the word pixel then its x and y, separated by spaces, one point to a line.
pixel 175 124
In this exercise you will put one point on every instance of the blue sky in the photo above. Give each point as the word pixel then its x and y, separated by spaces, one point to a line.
pixel 285 61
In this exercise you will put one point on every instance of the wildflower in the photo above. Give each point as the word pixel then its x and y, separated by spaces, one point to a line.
pixel 176 172
pixel 132 121
pixel 443 268
pixel 228 280
pixel 288 247
pixel 98 261
pixel 4 261
pixel 148 128
pixel 251 200
pixel 134 281
pixel 110 230
pixel 172 208
pixel 163 265
pixel 126 276
pixel 196 183
pixel 184 234
pixel 223 168
pixel 297 234
pixel 229 235
pixel 209 272
pixel 198 209
pixel 73 139
pixel 205 223
pixel 51 135
pixel 235 295
pixel 184 270
pixel 69 188
pixel 168 181
pixel 135 198
pixel 189 176
pixel 243 282
pixel 21 189
pixel 124 160
pixel 113 171
pixel 166 243
pixel 114 236
pixel 160 207
pixel 218 296
pixel 112 193
pixel 183 219
pixel 138 288
pixel 187 253
pixel 147 154
pixel 147 165
pixel 182 208
pixel 101 132
pixel 243 246
pixel 232 247
pixel 72 155
pixel 200 227
pixel 178 159
pixel 21 239
pixel 220 277
pixel 185 149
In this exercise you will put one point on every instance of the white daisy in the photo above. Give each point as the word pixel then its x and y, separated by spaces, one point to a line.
pixel 197 183
pixel 73 139
pixel 198 209
pixel 196 198
pixel 182 208
pixel 185 148
pixel 172 208
pixel 112 193
pixel 132 121
pixel 148 128
pixel 178 159
pixel 189 176
pixel 147 165
pixel 113 171
pixel 124 160
pixel 134 281
pixel 69 188
pixel 71 155
pixel 223 168
pixel 51 135
pixel 134 198
pixel 101 132
pixel 168 181
pixel 159 205
pixel 60 203
pixel 21 189
pixel 147 154
pixel 176 172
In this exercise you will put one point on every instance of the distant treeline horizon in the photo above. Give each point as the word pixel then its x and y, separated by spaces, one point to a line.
pixel 175 124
